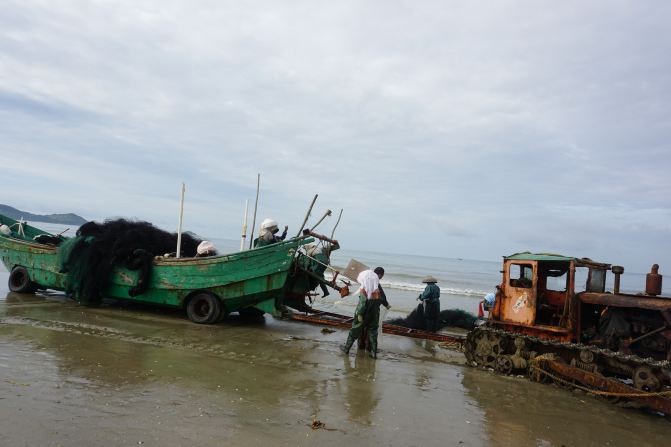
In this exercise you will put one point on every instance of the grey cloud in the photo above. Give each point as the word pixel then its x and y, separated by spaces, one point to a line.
pixel 489 125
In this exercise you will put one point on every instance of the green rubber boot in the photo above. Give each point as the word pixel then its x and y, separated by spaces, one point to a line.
pixel 348 345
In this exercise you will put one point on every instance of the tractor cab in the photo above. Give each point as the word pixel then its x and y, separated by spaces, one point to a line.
pixel 536 295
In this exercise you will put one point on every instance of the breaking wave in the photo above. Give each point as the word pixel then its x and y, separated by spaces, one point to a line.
pixel 443 290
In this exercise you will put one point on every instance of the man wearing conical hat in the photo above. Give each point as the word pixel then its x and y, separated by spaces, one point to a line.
pixel 431 300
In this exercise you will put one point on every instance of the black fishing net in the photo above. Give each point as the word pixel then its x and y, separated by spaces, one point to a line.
pixel 91 256
pixel 449 317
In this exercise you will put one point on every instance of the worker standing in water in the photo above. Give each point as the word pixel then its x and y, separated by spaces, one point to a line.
pixel 363 341
pixel 430 297
pixel 267 233
pixel 367 313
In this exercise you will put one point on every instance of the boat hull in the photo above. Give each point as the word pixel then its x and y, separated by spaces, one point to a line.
pixel 239 280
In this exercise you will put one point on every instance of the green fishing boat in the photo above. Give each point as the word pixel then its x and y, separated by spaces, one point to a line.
pixel 207 288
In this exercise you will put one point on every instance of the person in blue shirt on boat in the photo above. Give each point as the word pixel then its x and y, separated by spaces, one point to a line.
pixel 430 297
pixel 487 304
pixel 267 233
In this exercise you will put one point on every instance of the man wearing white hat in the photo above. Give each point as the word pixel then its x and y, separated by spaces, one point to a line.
pixel 267 233
pixel 367 313
pixel 206 248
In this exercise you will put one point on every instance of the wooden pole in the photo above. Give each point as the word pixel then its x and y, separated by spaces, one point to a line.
pixel 336 225
pixel 179 225
pixel 326 214
pixel 244 227
pixel 321 237
pixel 307 215
pixel 256 206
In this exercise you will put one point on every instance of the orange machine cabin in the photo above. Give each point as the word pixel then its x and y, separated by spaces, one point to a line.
pixel 537 294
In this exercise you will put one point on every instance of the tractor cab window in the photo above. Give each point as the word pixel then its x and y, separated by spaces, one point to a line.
pixel 596 280
pixel 590 279
pixel 556 277
pixel 521 275
pixel 581 275
pixel 552 287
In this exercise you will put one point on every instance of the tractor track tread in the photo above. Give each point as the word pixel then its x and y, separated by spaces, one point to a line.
pixel 627 359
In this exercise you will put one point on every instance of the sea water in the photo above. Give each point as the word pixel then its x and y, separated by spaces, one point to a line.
pixel 463 282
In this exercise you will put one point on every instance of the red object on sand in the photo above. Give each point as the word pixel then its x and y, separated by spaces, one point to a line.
pixel 481 312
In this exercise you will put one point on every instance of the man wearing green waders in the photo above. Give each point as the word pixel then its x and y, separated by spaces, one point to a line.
pixel 367 313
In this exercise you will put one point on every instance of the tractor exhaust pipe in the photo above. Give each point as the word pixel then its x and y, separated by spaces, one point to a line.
pixel 617 271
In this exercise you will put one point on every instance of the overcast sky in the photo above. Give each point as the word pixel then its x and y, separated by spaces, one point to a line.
pixel 458 129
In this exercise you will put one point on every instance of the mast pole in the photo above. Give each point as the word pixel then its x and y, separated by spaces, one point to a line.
pixel 256 205
pixel 307 216
pixel 336 225
pixel 179 225
pixel 244 227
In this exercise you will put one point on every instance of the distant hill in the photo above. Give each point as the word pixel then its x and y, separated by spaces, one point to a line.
pixel 66 219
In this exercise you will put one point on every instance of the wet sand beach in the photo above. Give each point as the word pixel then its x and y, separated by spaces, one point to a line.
pixel 71 375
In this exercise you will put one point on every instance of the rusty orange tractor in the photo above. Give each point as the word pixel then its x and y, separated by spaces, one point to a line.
pixel 554 319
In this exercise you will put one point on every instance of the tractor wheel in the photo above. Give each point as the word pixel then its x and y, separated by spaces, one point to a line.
pixel 203 308
pixel 19 281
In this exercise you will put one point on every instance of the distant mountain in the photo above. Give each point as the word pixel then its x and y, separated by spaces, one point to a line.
pixel 65 219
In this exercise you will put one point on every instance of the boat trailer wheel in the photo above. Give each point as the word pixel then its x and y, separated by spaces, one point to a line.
pixel 19 281
pixel 504 364
pixel 203 308
pixel 488 347
pixel 646 380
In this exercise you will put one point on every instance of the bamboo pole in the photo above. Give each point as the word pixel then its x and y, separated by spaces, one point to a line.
pixel 256 206
pixel 336 225
pixel 307 216
pixel 179 225
pixel 244 227
pixel 326 214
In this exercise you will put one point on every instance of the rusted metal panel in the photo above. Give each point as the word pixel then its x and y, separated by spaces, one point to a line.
pixel 544 332
pixel 519 303
pixel 599 382
pixel 574 308
pixel 623 300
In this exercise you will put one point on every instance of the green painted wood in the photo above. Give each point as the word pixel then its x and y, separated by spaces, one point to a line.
pixel 239 279
pixel 29 231
pixel 268 307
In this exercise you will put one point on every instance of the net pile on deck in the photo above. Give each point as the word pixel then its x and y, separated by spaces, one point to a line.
pixel 91 256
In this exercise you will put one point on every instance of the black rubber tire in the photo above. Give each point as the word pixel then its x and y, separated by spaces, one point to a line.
pixel 19 281
pixel 251 312
pixel 222 315
pixel 204 308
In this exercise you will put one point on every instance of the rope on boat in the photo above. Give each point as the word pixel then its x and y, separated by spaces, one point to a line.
pixel 536 365
pixel 319 262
